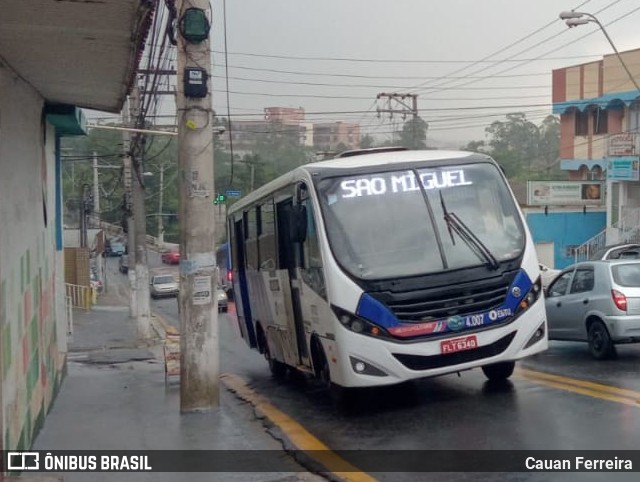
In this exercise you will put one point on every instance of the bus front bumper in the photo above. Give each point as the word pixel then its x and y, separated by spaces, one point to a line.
pixel 368 361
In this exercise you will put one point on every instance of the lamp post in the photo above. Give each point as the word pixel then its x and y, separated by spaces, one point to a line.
pixel 573 19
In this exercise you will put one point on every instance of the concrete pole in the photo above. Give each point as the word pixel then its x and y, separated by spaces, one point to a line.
pixel 143 310
pixel 131 250
pixel 199 351
pixel 160 223
pixel 96 189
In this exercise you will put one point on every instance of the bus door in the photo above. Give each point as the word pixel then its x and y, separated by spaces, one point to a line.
pixel 289 254
pixel 243 307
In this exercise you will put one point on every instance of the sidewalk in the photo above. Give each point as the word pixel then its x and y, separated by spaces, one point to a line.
pixel 114 397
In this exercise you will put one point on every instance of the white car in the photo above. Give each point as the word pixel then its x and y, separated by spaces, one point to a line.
pixel 547 274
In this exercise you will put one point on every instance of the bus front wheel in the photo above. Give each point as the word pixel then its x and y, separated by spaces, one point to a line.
pixel 499 371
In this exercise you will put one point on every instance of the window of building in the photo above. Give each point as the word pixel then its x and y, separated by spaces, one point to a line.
pixel 582 123
pixel 634 117
pixel 600 121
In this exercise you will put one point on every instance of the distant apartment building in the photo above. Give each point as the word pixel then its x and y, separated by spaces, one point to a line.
pixel 284 115
pixel 329 136
pixel 288 121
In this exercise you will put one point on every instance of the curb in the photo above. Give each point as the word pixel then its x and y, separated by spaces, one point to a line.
pixel 308 450
pixel 161 326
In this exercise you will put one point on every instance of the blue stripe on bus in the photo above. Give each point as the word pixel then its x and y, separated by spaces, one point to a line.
pixel 378 313
pixel 373 310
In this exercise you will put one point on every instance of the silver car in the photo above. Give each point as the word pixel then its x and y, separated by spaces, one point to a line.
pixel 163 285
pixel 597 302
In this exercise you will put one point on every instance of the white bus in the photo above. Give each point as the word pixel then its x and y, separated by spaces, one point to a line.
pixel 389 266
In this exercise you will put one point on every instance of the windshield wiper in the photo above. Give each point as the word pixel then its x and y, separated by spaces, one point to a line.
pixel 455 224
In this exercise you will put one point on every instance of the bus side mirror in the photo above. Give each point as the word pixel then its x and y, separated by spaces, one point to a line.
pixel 298 224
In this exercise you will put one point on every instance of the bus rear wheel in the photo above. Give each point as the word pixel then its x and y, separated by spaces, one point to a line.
pixel 499 371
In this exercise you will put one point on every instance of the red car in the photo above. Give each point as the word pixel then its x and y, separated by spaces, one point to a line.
pixel 171 257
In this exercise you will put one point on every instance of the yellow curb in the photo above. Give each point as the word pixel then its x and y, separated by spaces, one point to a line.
pixel 166 326
pixel 298 436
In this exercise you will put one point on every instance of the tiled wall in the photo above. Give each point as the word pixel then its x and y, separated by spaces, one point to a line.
pixel 31 365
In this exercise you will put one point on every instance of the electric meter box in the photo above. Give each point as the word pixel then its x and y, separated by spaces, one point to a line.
pixel 195 82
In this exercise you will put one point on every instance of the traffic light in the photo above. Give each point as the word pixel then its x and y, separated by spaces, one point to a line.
pixel 220 198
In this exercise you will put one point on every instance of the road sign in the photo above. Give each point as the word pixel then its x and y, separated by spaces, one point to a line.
pixel 233 193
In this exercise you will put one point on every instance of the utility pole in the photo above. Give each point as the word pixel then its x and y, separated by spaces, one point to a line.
pixel 96 189
pixel 143 310
pixel 397 104
pixel 160 224
pixel 128 208
pixel 199 350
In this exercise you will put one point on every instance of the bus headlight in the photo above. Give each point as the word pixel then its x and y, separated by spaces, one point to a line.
pixel 531 297
pixel 359 325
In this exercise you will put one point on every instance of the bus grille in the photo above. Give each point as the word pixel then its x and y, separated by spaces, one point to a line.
pixel 419 362
pixel 442 302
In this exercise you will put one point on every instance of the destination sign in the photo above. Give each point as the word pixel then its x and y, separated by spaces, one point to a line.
pixel 378 185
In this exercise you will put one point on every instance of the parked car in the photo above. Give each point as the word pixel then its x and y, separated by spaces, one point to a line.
pixel 123 264
pixel 618 251
pixel 162 285
pixel 171 257
pixel 223 299
pixel 116 248
pixel 547 274
pixel 597 302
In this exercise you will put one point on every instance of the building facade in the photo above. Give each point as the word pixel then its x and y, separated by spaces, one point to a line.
pixel 47 72
pixel 599 108
pixel 328 136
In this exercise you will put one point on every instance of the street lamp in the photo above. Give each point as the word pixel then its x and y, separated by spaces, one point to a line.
pixel 573 19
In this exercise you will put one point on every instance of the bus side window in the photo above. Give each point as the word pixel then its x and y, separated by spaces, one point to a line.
pixel 267 238
pixel 312 257
pixel 312 272
pixel 251 239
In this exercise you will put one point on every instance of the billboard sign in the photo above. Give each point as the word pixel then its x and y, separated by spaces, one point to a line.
pixel 622 144
pixel 623 169
pixel 565 193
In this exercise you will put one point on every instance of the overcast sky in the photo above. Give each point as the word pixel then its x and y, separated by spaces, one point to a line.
pixel 469 61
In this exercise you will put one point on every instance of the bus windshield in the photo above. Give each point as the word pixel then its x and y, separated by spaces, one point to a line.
pixel 420 221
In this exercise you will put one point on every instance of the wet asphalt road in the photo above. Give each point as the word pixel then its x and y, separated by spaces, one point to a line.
pixel 559 400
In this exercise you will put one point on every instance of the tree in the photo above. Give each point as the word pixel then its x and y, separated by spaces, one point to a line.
pixel 366 142
pixel 414 133
pixel 474 146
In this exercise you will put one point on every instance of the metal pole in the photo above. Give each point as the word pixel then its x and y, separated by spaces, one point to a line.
pixel 143 314
pixel 199 350
pixel 160 224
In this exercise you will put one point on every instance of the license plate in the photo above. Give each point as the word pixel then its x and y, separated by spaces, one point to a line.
pixel 459 344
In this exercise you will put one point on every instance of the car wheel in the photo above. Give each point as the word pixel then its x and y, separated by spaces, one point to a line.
pixel 600 343
pixel 499 371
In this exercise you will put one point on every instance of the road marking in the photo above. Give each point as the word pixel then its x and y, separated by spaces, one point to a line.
pixel 583 387
pixel 299 437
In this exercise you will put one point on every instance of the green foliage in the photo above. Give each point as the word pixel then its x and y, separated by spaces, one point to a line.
pixel 367 142
pixel 414 134
pixel 525 151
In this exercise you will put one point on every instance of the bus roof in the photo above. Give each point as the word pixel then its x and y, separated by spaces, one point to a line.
pixel 353 162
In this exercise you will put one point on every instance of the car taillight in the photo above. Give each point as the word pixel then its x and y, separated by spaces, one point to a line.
pixel 230 276
pixel 619 299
